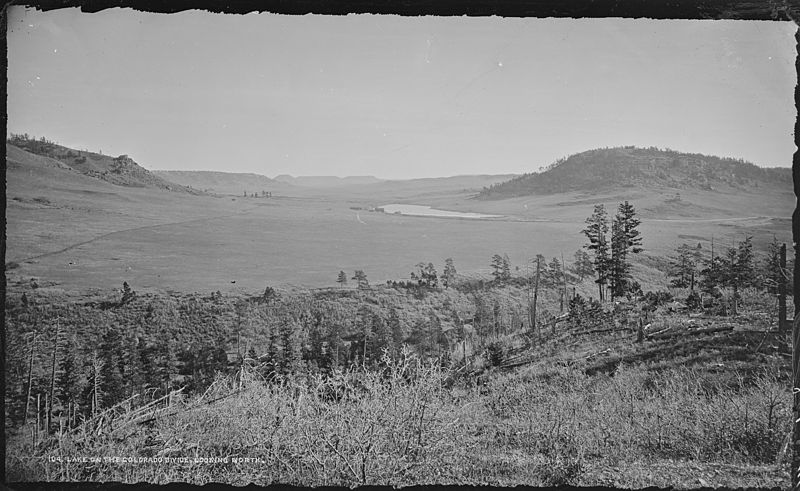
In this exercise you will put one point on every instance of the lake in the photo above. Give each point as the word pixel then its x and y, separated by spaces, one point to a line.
pixel 427 211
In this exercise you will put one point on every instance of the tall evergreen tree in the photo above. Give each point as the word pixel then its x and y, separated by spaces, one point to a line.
pixel 94 397
pixel 582 266
pixel 772 272
pixel 738 269
pixel 449 273
pixel 291 347
pixel 150 376
pixel 361 279
pixel 554 272
pixel 425 275
pixel 69 377
pixel 683 267
pixel 113 382
pixel 596 232
pixel 501 268
pixel 396 330
pixel 342 279
pixel 625 239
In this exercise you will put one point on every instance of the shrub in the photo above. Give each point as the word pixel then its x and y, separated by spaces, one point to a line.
pixel 657 298
pixel 496 352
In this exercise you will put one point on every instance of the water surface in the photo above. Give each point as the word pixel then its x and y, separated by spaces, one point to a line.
pixel 427 211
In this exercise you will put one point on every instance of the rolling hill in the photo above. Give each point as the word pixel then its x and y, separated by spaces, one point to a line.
pixel 233 183
pixel 613 168
pixel 120 171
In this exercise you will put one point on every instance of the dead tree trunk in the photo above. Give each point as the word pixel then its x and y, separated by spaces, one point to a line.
pixel 564 276
pixel 53 376
pixel 795 467
pixel 30 379
pixel 782 325
pixel 536 297
pixel 640 332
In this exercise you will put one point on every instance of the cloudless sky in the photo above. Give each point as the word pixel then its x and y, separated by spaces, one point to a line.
pixel 396 97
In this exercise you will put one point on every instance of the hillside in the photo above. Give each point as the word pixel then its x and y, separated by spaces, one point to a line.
pixel 233 183
pixel 120 171
pixel 609 168
pixel 690 398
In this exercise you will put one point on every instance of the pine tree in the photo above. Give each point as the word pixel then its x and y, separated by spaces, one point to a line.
pixel 433 339
pixel 449 273
pixel 630 224
pixel 291 348
pixel 316 354
pixel 113 382
pixel 127 294
pixel 68 377
pixel 746 273
pixel 396 330
pixel 168 366
pixel 342 279
pixel 94 396
pixel 617 265
pixel 501 268
pixel 772 267
pixel 582 266
pixel 738 269
pixel 554 271
pixel 682 269
pixel 131 365
pixel 625 240
pixel 150 376
pixel 361 279
pixel 57 347
pixel 596 231
pixel 381 337
pixel 425 275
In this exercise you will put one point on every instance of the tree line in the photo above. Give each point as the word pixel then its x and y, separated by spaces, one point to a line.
pixel 709 270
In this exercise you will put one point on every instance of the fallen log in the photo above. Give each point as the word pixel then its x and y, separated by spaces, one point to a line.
pixel 594 331
pixel 607 350
pixel 691 332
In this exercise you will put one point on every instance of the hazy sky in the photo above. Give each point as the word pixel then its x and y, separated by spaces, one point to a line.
pixel 396 97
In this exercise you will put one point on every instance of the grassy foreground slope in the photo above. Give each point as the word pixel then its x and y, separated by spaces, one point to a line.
pixel 590 407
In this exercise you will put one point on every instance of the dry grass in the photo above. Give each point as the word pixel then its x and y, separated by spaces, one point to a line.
pixel 408 424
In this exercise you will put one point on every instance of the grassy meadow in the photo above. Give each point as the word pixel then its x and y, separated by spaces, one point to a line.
pixel 79 233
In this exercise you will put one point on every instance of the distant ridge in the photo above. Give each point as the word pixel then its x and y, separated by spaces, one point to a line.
pixel 120 171
pixel 327 181
pixel 609 168
pixel 233 183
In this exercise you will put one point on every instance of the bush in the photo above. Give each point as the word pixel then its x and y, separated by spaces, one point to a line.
pixel 496 353
pixel 693 301
pixel 657 298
